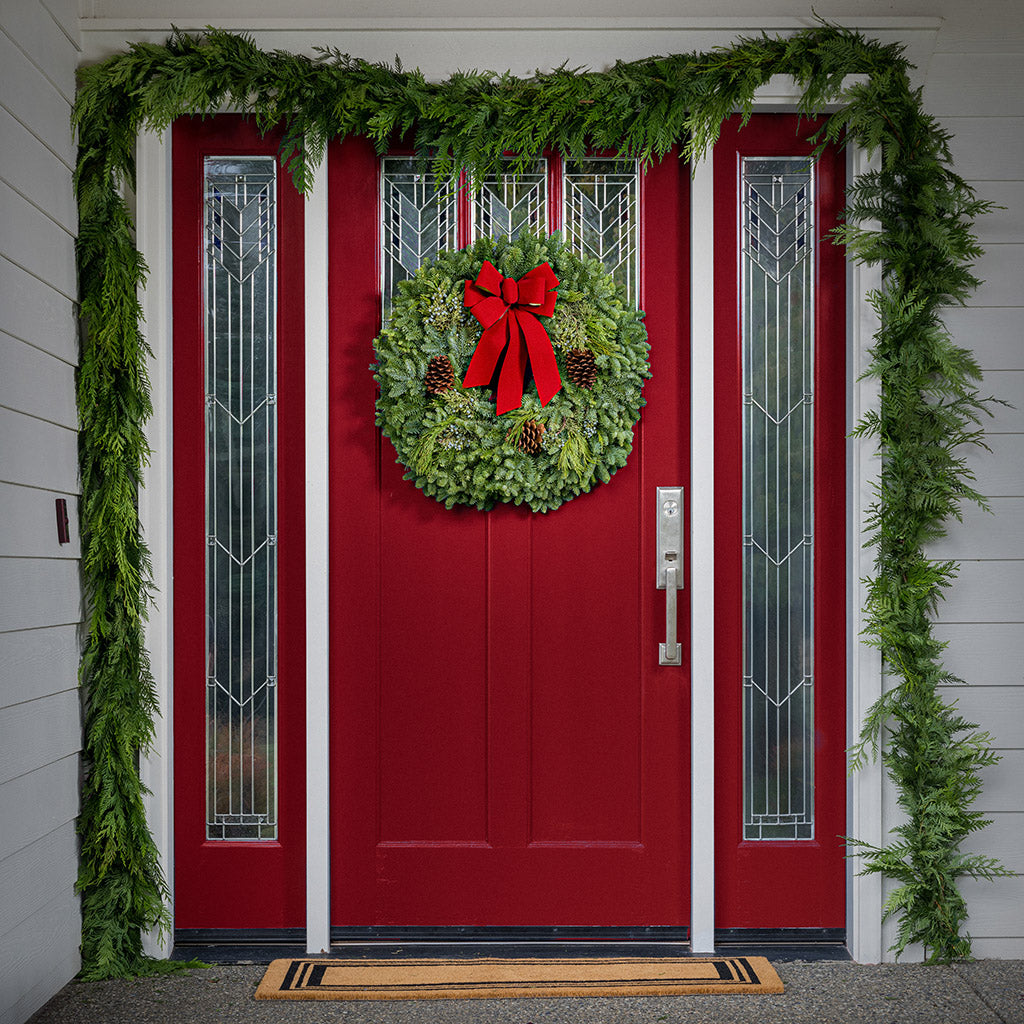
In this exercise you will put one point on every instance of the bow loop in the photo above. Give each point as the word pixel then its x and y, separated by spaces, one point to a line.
pixel 507 310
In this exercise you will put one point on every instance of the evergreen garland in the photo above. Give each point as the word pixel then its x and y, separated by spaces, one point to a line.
pixel 929 416
pixel 454 445
pixel 119 879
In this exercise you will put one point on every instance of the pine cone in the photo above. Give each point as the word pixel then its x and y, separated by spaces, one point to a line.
pixel 580 367
pixel 531 440
pixel 440 375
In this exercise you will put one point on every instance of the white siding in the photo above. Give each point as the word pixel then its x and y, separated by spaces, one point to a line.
pixel 973 73
pixel 40 603
pixel 976 88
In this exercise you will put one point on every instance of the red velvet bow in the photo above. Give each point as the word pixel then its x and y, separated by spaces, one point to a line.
pixel 508 310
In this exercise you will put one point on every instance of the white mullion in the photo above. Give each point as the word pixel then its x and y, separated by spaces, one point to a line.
pixel 702 561
pixel 318 925
pixel 864 664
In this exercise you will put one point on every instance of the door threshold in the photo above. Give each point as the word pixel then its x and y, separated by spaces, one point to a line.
pixel 261 946
pixel 478 934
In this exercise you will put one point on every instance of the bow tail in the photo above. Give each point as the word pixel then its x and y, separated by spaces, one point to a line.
pixel 542 357
pixel 513 369
pixel 488 352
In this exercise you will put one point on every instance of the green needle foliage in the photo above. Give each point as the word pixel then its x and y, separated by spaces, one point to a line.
pixel 120 882
pixel 930 411
pixel 454 445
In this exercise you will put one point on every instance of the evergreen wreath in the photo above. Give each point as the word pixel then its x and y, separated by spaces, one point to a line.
pixel 451 439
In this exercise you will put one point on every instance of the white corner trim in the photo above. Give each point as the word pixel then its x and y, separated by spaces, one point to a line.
pixel 318 925
pixel 702 561
pixel 153 238
pixel 864 663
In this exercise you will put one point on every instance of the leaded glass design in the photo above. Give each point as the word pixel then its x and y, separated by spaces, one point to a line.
pixel 507 204
pixel 240 302
pixel 601 216
pixel 419 221
pixel 778 497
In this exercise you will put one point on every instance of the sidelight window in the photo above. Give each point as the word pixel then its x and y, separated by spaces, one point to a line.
pixel 240 310
pixel 777 325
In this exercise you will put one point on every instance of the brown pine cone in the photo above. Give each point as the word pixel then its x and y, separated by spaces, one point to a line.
pixel 532 437
pixel 440 375
pixel 580 367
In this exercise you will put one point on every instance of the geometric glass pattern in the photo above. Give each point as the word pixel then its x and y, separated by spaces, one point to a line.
pixel 601 216
pixel 777 296
pixel 418 222
pixel 506 205
pixel 240 302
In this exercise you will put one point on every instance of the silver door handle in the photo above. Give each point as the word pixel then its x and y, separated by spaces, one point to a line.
pixel 670 561
pixel 670 652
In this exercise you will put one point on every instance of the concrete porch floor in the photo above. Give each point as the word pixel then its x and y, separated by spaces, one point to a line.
pixel 818 992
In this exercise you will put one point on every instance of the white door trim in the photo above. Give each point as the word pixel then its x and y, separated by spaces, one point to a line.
pixel 153 219
pixel 156 496
pixel 864 898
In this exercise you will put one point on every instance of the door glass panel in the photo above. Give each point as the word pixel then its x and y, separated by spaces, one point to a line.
pixel 601 216
pixel 507 204
pixel 241 509
pixel 418 221
pixel 778 489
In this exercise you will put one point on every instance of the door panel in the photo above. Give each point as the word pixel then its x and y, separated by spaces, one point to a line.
pixel 777 883
pixel 507 750
pixel 215 878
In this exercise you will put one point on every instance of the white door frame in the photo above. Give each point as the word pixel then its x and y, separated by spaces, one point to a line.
pixel 864 803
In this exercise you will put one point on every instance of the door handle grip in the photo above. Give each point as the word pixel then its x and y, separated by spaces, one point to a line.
pixel 670 652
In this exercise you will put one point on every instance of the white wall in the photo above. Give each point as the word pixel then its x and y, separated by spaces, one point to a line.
pixel 40 732
pixel 976 87
pixel 973 72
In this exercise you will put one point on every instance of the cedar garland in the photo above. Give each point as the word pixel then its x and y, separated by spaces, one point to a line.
pixel 929 414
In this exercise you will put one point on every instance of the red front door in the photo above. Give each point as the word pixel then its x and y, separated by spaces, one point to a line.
pixel 506 749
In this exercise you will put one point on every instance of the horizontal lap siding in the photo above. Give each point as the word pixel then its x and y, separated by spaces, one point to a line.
pixel 995 334
pixel 987 654
pixel 40 957
pixel 40 602
pixel 37 384
pixel 978 95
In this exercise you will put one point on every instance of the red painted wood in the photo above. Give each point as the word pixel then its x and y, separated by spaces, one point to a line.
pixel 781 883
pixel 556 167
pixel 234 884
pixel 501 754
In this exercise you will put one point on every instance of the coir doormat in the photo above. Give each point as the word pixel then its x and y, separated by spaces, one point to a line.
pixel 493 978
